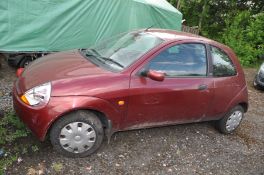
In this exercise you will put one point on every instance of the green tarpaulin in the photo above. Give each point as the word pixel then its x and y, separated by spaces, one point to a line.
pixel 56 25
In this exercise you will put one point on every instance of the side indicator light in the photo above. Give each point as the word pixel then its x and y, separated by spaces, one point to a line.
pixel 24 99
pixel 121 103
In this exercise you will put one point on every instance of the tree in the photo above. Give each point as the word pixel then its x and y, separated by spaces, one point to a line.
pixel 210 15
pixel 237 23
pixel 245 35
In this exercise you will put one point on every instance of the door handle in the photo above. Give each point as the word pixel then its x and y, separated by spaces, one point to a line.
pixel 202 87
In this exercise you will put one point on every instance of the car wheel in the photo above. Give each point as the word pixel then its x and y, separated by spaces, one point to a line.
pixel 25 62
pixel 231 121
pixel 78 134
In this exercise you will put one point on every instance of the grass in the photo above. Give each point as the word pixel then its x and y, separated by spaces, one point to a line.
pixel 57 167
pixel 256 65
pixel 12 131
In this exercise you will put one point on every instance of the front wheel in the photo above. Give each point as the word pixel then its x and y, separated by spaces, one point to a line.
pixel 77 134
pixel 231 121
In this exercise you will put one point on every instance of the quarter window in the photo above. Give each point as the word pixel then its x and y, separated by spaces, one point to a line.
pixel 222 64
pixel 181 60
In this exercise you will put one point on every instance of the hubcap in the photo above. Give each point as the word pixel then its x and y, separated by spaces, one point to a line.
pixel 233 120
pixel 77 137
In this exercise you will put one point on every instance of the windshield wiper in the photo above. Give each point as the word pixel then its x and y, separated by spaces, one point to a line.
pixel 113 61
pixel 93 52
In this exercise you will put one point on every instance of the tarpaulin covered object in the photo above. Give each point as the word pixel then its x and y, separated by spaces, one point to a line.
pixel 56 25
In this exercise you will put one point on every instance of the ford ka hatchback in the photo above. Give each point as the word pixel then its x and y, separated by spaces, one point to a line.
pixel 135 80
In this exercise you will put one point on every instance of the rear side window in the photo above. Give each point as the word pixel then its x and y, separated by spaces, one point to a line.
pixel 222 64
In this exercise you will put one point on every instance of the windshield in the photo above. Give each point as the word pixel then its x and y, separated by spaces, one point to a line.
pixel 122 50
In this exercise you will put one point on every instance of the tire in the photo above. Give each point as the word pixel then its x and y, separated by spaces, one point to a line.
pixel 25 62
pixel 80 123
pixel 231 121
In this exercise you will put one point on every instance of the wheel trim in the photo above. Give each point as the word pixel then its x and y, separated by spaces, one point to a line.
pixel 77 137
pixel 233 120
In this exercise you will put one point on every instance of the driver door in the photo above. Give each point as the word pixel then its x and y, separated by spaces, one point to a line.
pixel 183 96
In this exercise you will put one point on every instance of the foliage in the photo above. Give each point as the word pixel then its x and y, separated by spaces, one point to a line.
pixel 11 128
pixel 238 24
pixel 11 131
pixel 245 36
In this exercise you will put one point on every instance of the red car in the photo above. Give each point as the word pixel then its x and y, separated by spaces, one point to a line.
pixel 135 80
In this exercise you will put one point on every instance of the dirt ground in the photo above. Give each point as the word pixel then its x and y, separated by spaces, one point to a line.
pixel 182 149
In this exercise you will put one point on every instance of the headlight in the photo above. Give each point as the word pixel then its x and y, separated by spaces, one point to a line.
pixel 37 95
pixel 261 68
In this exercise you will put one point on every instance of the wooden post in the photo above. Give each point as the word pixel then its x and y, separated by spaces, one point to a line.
pixel 202 15
pixel 178 4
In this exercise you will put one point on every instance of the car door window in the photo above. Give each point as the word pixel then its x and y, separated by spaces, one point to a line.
pixel 181 60
pixel 222 64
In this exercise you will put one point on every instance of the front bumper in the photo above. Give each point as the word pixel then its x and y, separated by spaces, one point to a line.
pixel 36 119
pixel 40 119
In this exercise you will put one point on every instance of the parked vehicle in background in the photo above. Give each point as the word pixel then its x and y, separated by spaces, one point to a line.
pixel 134 80
pixel 21 60
pixel 30 27
pixel 259 79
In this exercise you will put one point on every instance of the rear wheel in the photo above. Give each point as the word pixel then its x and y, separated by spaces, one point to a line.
pixel 77 134
pixel 231 121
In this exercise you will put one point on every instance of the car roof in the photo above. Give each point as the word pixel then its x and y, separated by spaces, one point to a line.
pixel 172 35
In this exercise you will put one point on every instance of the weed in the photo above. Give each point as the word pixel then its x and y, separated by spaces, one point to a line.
pixel 57 167
pixel 34 148
pixel 11 130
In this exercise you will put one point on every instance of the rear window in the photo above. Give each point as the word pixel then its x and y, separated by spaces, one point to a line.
pixel 222 64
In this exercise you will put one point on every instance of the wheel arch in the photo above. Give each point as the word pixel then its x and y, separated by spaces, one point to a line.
pixel 244 106
pixel 106 122
pixel 240 99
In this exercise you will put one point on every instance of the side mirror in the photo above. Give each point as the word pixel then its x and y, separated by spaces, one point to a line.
pixel 154 75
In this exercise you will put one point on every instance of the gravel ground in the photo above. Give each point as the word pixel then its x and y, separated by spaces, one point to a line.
pixel 7 77
pixel 183 149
